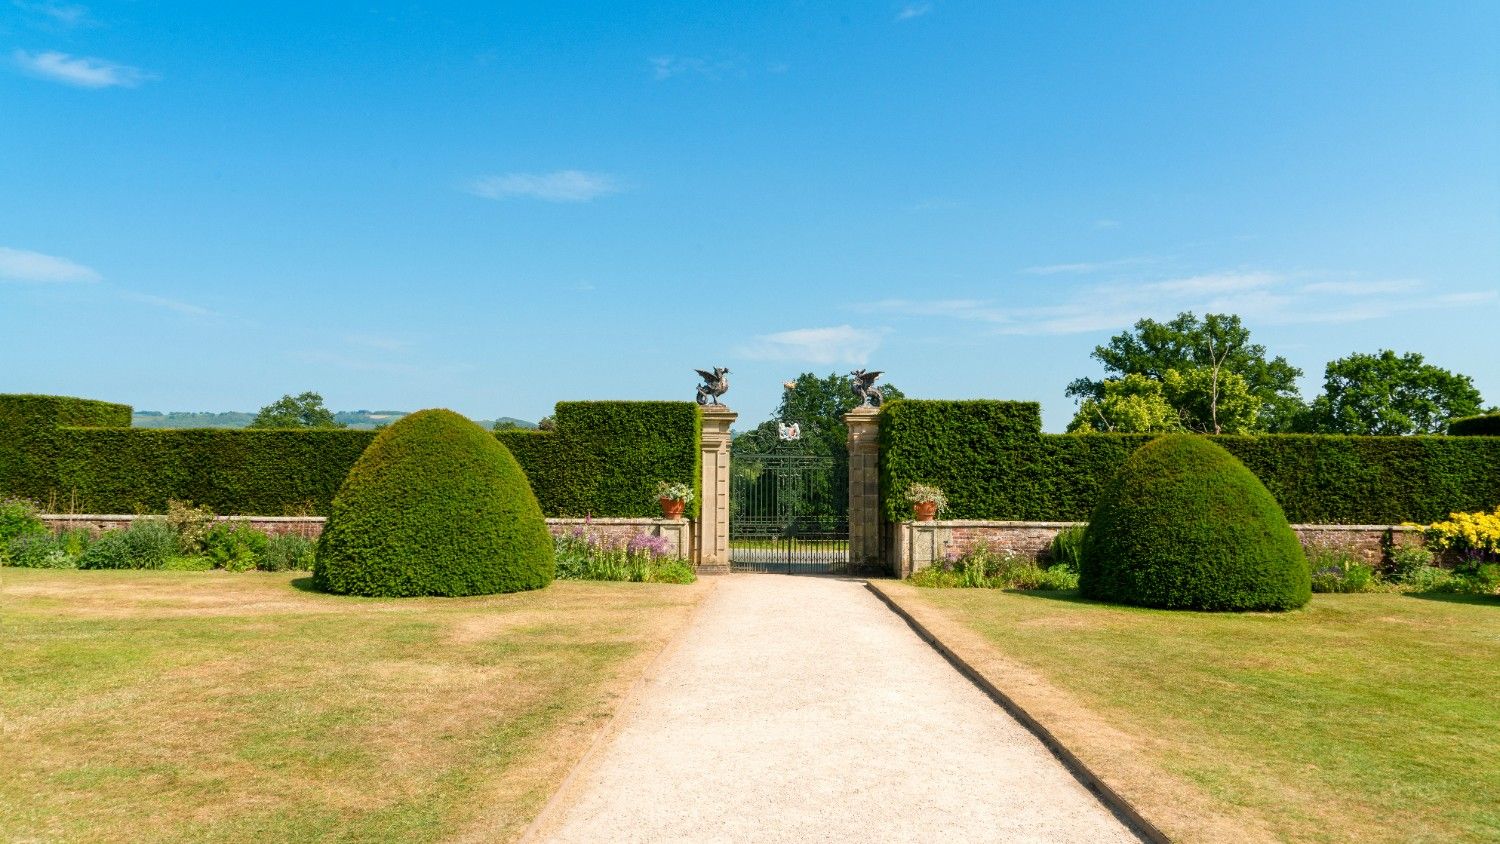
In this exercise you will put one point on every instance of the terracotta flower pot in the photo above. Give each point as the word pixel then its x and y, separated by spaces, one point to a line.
pixel 926 510
pixel 671 508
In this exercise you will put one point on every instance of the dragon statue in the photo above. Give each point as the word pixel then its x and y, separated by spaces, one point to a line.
pixel 714 385
pixel 864 388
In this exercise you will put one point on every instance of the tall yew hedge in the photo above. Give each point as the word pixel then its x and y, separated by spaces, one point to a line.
pixel 994 462
pixel 604 459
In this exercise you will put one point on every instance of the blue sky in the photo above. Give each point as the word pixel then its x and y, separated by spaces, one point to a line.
pixel 403 206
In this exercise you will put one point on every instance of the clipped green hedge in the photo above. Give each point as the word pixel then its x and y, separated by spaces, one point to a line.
pixel 30 427
pixel 604 459
pixel 1184 525
pixel 993 461
pixel 1487 425
pixel 434 506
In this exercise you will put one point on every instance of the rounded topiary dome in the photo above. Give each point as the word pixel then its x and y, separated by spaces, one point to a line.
pixel 435 506
pixel 1184 524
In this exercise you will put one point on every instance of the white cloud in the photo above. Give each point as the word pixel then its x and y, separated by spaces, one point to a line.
pixel 22 265
pixel 377 341
pixel 175 305
pixel 80 71
pixel 836 344
pixel 668 66
pixel 559 186
pixel 64 15
pixel 1086 267
pixel 1265 297
pixel 913 10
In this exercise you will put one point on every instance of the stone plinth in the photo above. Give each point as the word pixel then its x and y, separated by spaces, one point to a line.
pixel 713 517
pixel 864 486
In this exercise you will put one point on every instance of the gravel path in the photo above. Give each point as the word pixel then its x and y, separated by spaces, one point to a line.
pixel 801 709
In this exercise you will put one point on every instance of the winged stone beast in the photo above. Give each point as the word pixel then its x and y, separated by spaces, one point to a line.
pixel 714 385
pixel 865 390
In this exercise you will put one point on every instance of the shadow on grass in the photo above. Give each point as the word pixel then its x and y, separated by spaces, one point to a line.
pixel 305 584
pixel 1067 596
pixel 1456 598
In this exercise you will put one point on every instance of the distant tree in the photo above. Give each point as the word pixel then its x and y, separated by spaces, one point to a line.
pixel 1134 404
pixel 1205 354
pixel 817 406
pixel 505 425
pixel 303 411
pixel 547 423
pixel 1387 394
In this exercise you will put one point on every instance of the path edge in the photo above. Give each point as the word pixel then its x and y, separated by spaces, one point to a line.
pixel 1112 800
pixel 561 800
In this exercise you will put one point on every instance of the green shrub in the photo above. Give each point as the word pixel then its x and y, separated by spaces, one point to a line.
pixel 583 555
pixel 982 567
pixel 234 546
pixel 108 551
pixel 1184 524
pixel 1486 425
pixel 1429 579
pixel 195 562
pixel 45 551
pixel 1066 549
pixel 1339 570
pixel 994 462
pixel 192 524
pixel 18 517
pixel 1407 561
pixel 287 552
pixel 435 506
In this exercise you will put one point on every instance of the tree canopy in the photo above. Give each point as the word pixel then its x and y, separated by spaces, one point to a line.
pixel 1134 404
pixel 1223 382
pixel 1387 394
pixel 818 406
pixel 302 411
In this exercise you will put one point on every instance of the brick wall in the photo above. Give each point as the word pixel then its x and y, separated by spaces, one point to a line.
pixel 918 544
pixel 611 531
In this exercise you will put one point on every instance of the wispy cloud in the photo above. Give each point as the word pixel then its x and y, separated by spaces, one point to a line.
pixel 1266 297
pixel 559 186
pixel 24 265
pixel 174 305
pixel 377 341
pixel 913 10
pixel 668 66
pixel 836 344
pixel 80 71
pixel 1086 267
pixel 64 15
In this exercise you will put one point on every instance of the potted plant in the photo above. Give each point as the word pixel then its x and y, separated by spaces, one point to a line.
pixel 673 498
pixel 926 500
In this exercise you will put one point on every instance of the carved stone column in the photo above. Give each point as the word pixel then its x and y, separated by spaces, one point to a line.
pixel 713 511
pixel 864 486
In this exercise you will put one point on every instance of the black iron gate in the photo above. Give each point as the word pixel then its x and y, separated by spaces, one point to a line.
pixel 788 513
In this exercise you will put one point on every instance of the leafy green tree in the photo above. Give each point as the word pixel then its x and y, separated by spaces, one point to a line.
pixel 1212 402
pixel 818 406
pixel 1205 353
pixel 1134 404
pixel 1388 394
pixel 303 411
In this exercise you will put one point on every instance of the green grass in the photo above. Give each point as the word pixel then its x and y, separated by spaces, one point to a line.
pixel 186 706
pixel 1368 717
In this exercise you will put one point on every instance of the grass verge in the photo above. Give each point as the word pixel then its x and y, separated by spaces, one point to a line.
pixel 1366 717
pixel 177 706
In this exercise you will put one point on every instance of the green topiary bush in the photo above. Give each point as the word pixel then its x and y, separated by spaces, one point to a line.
pixel 435 506
pixel 1486 425
pixel 1184 525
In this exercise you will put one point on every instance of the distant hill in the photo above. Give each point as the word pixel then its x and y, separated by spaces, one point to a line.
pixel 359 420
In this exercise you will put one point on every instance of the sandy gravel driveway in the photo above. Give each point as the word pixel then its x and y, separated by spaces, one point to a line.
pixel 801 709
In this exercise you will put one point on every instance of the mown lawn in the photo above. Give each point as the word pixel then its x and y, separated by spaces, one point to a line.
pixel 1367 717
pixel 177 706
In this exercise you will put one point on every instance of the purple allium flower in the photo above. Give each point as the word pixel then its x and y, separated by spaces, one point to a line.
pixel 656 546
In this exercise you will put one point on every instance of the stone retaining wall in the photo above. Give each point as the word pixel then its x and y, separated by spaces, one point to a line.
pixel 679 532
pixel 918 544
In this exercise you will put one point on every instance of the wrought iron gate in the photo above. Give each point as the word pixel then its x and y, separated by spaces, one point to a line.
pixel 788 513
